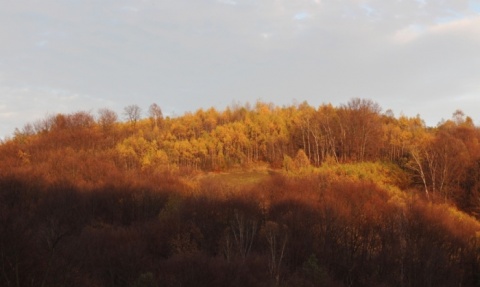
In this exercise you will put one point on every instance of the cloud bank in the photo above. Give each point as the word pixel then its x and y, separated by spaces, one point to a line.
pixel 411 56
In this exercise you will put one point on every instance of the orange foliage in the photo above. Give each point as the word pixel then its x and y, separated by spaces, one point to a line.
pixel 101 202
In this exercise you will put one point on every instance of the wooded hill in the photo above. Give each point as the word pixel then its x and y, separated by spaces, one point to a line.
pixel 254 195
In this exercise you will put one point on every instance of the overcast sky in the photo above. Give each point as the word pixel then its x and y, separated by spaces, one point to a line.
pixel 411 56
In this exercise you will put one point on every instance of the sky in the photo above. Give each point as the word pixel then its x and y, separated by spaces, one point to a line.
pixel 410 56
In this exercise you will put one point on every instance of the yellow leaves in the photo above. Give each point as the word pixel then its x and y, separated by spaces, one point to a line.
pixel 298 165
pixel 288 163
pixel 125 149
pixel 301 160
pixel 385 175
pixel 136 151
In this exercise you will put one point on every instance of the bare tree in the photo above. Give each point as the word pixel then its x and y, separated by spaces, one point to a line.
pixel 276 236
pixel 132 113
pixel 44 125
pixel 244 231
pixel 361 129
pixel 107 118
pixel 156 115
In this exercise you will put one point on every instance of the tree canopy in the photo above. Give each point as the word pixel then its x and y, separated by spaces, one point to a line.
pixel 254 195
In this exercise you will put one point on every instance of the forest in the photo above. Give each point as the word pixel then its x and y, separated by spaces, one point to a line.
pixel 252 195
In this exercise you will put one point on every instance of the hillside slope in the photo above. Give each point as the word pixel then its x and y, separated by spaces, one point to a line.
pixel 249 196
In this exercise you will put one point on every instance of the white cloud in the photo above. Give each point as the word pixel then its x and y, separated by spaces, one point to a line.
pixel 421 3
pixel 408 34
pixel 130 9
pixel 24 104
pixel 228 2
pixel 300 16
pixel 187 54
pixel 468 24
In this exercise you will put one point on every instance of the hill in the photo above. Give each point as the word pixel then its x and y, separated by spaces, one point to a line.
pixel 248 196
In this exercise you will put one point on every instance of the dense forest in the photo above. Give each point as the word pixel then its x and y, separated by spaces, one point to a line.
pixel 254 195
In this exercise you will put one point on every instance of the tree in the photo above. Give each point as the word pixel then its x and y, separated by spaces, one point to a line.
pixel 156 115
pixel 326 118
pixel 107 118
pixel 453 160
pixel 421 158
pixel 276 237
pixel 361 129
pixel 306 113
pixel 301 160
pixel 44 125
pixel 244 230
pixel 132 113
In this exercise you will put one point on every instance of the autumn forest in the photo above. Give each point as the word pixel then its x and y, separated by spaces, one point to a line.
pixel 252 195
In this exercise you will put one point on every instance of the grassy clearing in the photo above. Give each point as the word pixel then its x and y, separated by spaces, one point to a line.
pixel 238 178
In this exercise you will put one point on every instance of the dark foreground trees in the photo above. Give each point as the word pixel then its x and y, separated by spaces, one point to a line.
pixel 285 231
